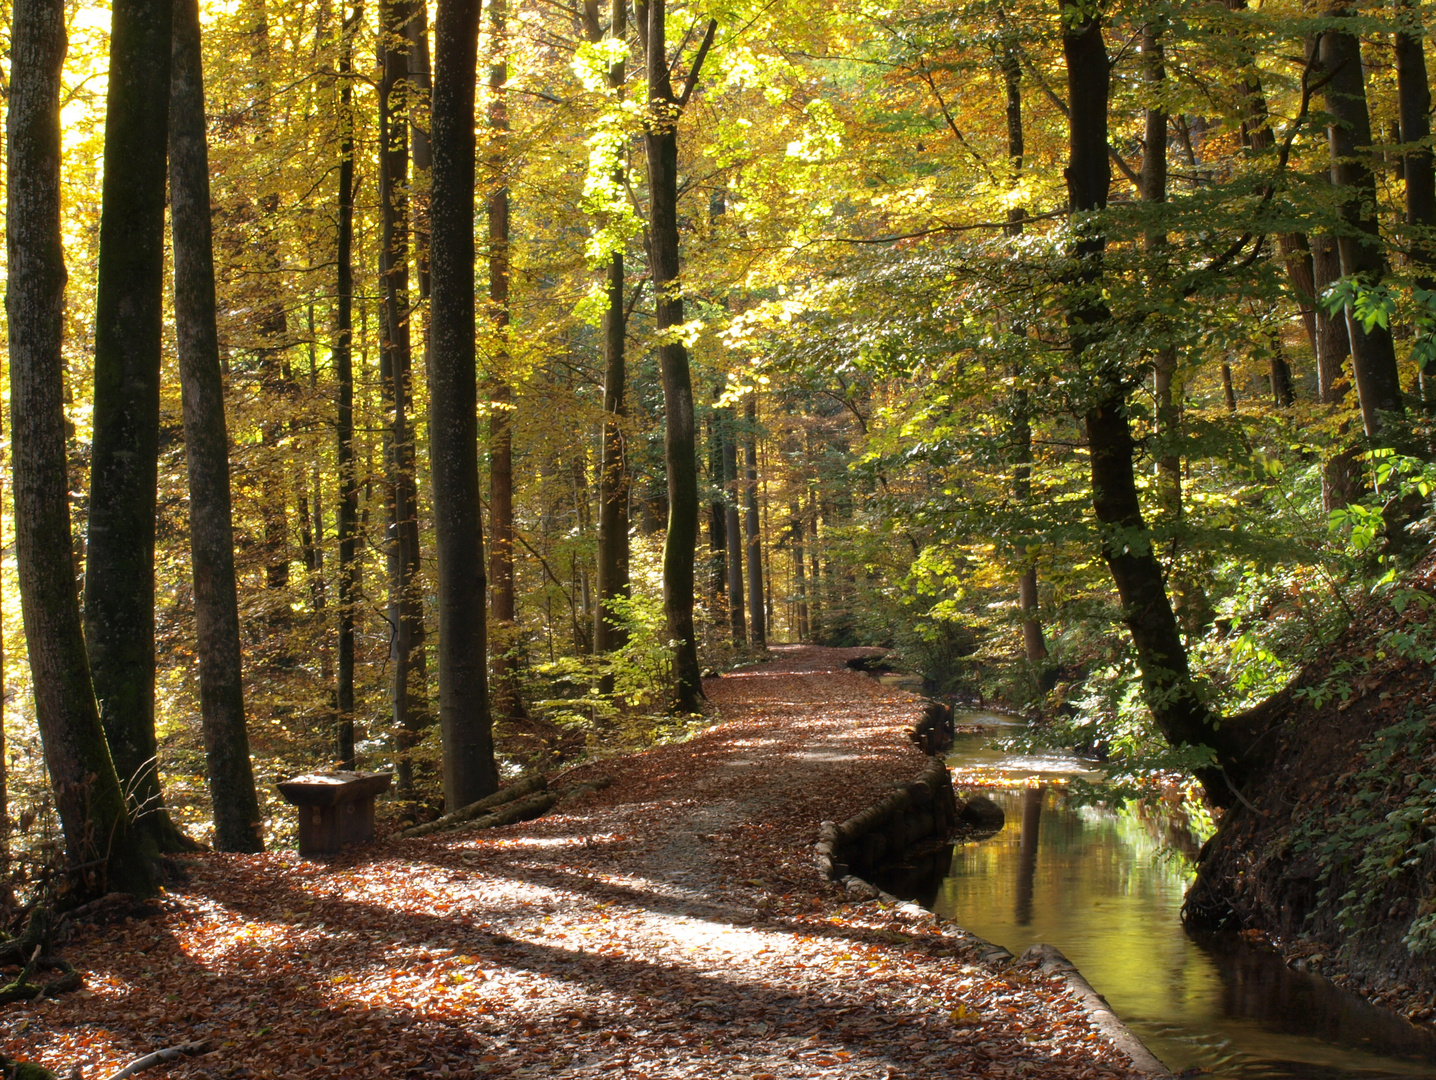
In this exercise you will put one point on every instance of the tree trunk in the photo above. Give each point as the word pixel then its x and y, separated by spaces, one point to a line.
pixel 1378 386
pixel 271 329
pixel 717 529
pixel 237 822
pixel 1034 645
pixel 1333 345
pixel 470 772
pixel 795 517
pixel 1414 100
pixel 660 139
pixel 119 573
pixel 406 655
pixel 1296 255
pixel 1282 391
pixel 82 774
pixel 421 149
pixel 343 359
pixel 1126 544
pixel 815 591
pixel 734 534
pixel 753 533
pixel 505 699
pixel 609 632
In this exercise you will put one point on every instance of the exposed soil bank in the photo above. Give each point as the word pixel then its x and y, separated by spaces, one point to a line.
pixel 673 925
pixel 1332 856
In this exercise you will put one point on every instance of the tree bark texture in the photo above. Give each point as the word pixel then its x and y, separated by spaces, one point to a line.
pixel 470 772
pixel 609 633
pixel 87 790
pixel 1034 644
pixel 504 697
pixel 800 584
pixel 733 528
pixel 119 573
pixel 753 533
pixel 343 360
pixel 1168 687
pixel 1413 95
pixel 1333 346
pixel 237 822
pixel 1378 387
pixel 680 544
pixel 421 76
pixel 409 694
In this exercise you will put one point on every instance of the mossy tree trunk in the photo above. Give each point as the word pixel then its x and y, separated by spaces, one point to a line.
pixel 237 823
pixel 120 564
pixel 470 772
pixel 87 789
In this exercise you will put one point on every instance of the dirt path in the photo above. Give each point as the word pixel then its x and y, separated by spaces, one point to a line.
pixel 673 926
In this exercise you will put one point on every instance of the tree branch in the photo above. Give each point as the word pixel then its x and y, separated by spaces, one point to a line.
pixel 692 79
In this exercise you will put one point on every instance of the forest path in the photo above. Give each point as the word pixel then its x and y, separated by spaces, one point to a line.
pixel 672 926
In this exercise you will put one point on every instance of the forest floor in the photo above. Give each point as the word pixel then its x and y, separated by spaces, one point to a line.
pixel 673 925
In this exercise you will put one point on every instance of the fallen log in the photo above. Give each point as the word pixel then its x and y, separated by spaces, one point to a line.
pixel 159 1057
pixel 527 786
pixel 523 810
pixel 588 787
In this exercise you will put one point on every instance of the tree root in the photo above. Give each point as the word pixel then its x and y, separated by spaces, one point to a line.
pixel 27 949
pixel 24 1070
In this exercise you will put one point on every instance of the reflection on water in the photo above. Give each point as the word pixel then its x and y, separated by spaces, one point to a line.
pixel 1106 888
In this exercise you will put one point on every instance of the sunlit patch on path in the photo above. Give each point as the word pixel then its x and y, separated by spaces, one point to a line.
pixel 673 926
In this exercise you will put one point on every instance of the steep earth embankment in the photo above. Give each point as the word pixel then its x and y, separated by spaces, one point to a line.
pixel 1333 853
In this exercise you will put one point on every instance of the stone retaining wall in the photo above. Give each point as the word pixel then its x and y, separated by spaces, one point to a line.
pixel 922 811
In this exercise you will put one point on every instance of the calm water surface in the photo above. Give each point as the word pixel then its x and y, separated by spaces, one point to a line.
pixel 1106 888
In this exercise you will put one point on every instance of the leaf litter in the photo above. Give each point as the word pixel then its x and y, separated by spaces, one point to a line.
pixel 673 925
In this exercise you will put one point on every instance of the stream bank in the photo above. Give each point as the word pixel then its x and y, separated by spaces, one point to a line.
pixel 1107 888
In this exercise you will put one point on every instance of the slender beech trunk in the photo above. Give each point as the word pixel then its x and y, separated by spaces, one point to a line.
pixel 343 359
pixel 470 772
pixel 1333 345
pixel 1378 387
pixel 815 589
pixel 734 534
pixel 757 617
pixel 1413 92
pixel 1126 543
pixel 119 574
pixel 504 694
pixel 795 517
pixel 1256 126
pixel 271 331
pixel 82 774
pixel 717 531
pixel 660 139
pixel 421 78
pixel 609 632
pixel 1282 391
pixel 1189 598
pixel 237 822
pixel 406 654
pixel 1296 256
pixel 1034 644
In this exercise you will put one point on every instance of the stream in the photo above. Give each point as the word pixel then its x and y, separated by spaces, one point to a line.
pixel 1106 886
